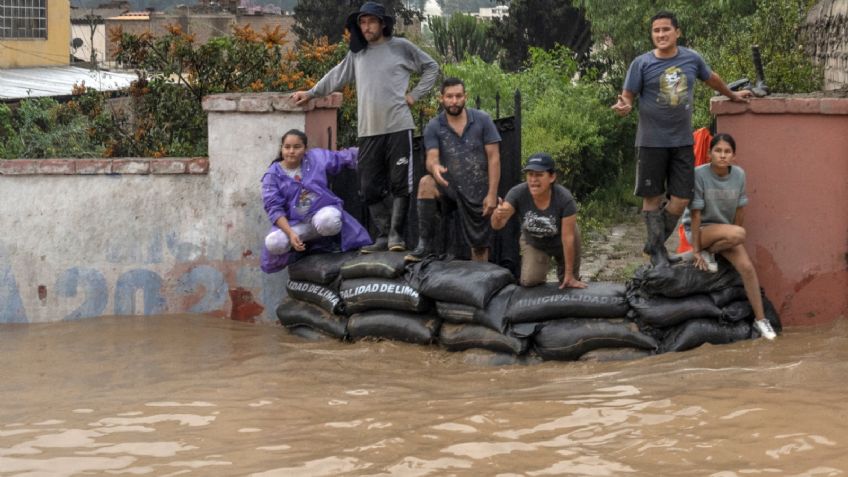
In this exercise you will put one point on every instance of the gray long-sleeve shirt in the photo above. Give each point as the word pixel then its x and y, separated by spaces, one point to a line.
pixel 381 73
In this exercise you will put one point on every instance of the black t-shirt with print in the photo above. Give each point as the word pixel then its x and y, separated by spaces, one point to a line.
pixel 542 228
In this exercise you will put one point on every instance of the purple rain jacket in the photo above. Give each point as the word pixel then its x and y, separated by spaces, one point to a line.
pixel 280 192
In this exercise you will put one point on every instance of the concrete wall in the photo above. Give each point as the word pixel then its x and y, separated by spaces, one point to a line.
pixel 795 153
pixel 52 51
pixel 140 236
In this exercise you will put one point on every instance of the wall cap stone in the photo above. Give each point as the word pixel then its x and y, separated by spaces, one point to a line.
pixel 821 103
pixel 265 103
pixel 118 165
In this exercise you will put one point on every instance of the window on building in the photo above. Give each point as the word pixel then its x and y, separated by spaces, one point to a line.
pixel 21 19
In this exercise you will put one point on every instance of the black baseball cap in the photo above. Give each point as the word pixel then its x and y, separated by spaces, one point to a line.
pixel 541 162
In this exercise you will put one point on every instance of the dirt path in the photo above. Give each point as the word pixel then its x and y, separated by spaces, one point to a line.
pixel 615 254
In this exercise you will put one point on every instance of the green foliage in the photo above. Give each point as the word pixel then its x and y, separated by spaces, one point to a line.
pixel 42 127
pixel 543 24
pixel 317 19
pixel 570 119
pixel 462 36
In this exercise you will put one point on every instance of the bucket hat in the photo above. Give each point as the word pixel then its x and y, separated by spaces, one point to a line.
pixel 540 162
pixel 357 41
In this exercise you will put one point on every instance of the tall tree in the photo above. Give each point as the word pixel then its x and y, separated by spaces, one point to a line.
pixel 544 24
pixel 461 36
pixel 314 19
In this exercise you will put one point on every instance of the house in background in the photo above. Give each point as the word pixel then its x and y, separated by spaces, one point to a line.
pixel 33 33
pixel 35 46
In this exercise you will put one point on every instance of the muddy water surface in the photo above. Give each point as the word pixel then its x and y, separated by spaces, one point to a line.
pixel 189 395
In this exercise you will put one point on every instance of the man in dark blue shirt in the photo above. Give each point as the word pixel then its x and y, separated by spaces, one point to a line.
pixel 464 166
pixel 664 80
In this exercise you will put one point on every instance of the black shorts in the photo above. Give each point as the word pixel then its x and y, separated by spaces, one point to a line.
pixel 384 166
pixel 661 170
pixel 476 229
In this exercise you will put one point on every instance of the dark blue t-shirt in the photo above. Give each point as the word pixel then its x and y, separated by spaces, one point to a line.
pixel 464 156
pixel 665 87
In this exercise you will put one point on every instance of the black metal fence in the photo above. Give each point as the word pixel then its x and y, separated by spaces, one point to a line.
pixel 505 250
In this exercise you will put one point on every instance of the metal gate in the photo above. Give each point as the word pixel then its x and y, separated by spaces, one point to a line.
pixel 505 250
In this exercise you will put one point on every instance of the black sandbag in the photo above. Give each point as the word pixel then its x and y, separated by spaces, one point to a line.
pixel 548 302
pixel 363 294
pixel 681 280
pixel 463 337
pixel 737 311
pixel 455 313
pixel 459 281
pixel 567 340
pixel 375 265
pixel 321 268
pixel 728 295
pixel 394 325
pixel 320 295
pixel 662 312
pixel 296 313
pixel 307 333
pixel 524 330
pixel 615 354
pixel 693 333
pixel 492 317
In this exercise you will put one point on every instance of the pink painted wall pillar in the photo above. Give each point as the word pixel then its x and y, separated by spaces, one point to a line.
pixel 794 150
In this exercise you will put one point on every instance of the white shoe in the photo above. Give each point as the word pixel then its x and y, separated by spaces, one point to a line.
pixel 710 260
pixel 765 329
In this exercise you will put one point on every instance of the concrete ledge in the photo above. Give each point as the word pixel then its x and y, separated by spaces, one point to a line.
pixel 782 105
pixel 265 103
pixel 134 165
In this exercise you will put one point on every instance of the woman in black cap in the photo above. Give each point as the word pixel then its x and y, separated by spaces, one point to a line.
pixel 548 216
pixel 381 65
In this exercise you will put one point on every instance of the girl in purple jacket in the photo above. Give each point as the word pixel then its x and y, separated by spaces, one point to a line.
pixel 305 214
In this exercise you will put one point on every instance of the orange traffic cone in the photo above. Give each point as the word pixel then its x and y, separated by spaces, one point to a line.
pixel 684 245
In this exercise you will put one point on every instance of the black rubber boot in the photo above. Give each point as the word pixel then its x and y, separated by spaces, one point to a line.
pixel 655 245
pixel 669 226
pixel 380 217
pixel 427 225
pixel 400 209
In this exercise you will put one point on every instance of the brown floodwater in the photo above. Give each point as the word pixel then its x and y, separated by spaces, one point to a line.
pixel 191 395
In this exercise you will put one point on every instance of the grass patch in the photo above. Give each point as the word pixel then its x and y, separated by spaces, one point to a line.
pixel 611 205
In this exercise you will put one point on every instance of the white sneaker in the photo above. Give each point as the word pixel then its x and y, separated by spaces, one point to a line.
pixel 710 260
pixel 765 329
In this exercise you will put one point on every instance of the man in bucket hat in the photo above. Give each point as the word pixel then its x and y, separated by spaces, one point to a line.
pixel 380 65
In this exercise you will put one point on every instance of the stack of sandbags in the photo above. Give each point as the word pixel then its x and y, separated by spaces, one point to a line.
pixel 684 307
pixel 471 297
pixel 381 302
pixel 314 302
pixel 566 324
